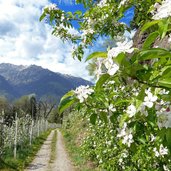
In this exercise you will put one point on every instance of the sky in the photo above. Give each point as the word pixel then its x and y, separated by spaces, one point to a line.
pixel 25 41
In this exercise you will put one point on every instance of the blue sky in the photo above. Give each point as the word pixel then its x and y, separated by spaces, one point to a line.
pixel 25 41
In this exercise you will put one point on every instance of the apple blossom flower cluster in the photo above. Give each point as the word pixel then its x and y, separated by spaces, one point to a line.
pixel 162 151
pixel 51 7
pixel 102 3
pixel 165 167
pixel 122 3
pixel 162 11
pixel 124 47
pixel 164 118
pixel 126 135
pixel 82 92
pixel 149 99
pixel 131 110
pixel 111 66
pixel 112 108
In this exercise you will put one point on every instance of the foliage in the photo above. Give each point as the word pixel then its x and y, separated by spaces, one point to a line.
pixel 130 105
pixel 74 130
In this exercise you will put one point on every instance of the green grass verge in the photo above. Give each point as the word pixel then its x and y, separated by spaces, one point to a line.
pixel 25 154
pixel 72 142
pixel 53 147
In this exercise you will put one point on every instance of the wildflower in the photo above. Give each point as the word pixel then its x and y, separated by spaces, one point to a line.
pixel 131 110
pixel 162 11
pixel 82 92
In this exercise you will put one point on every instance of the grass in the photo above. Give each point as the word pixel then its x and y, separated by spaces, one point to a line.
pixel 72 138
pixel 53 147
pixel 25 154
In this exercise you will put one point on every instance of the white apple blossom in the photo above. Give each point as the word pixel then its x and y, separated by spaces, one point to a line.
pixel 126 135
pixel 51 7
pixel 111 66
pixel 87 31
pixel 98 71
pixel 102 3
pixel 149 99
pixel 82 92
pixel 165 167
pixel 122 3
pixel 161 152
pixel 124 47
pixel 164 118
pixel 112 108
pixel 131 110
pixel 143 110
pixel 162 11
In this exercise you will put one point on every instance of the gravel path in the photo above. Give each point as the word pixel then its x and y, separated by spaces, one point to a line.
pixel 62 162
pixel 41 161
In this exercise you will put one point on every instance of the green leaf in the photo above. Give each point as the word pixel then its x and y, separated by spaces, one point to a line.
pixel 149 24
pixel 165 82
pixel 150 39
pixel 101 81
pixel 141 94
pixel 79 13
pixel 119 59
pixel 154 53
pixel 93 118
pixel 166 72
pixel 66 103
pixel 121 101
pixel 142 140
pixel 103 116
pixel 97 55
pixel 168 136
pixel 163 27
pixel 42 16
pixel 69 94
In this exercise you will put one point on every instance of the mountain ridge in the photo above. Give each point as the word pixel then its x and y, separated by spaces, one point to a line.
pixel 23 80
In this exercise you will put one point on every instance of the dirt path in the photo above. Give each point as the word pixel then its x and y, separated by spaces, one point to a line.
pixel 41 162
pixel 62 162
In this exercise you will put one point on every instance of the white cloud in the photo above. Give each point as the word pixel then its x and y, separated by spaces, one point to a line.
pixel 24 40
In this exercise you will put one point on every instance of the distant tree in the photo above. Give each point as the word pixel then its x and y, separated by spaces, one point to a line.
pixel 3 104
pixel 47 104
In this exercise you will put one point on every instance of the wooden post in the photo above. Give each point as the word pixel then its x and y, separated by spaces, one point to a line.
pixel 31 131
pixel 38 129
pixel 15 138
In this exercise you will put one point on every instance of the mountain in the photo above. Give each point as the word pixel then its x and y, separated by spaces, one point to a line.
pixel 19 80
